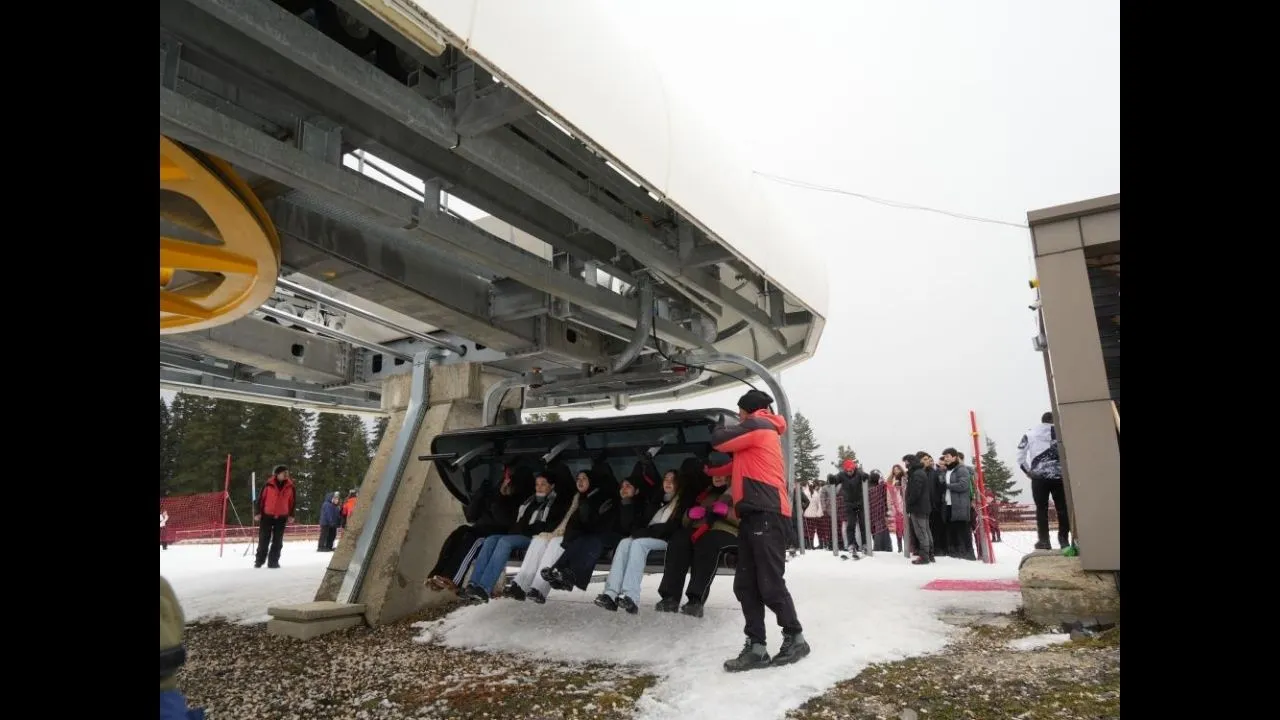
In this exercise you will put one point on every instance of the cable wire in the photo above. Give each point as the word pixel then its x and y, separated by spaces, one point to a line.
pixel 882 201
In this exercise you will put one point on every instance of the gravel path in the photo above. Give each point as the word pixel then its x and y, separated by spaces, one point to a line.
pixel 240 672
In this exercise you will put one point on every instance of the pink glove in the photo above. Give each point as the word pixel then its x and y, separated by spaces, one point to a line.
pixel 720 509
pixel 697 513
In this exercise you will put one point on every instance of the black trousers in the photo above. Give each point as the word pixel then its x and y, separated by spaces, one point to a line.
pixel 959 537
pixel 582 553
pixel 857 528
pixel 758 581
pixel 270 533
pixel 938 530
pixel 1041 492
pixel 697 561
pixel 459 550
pixel 328 533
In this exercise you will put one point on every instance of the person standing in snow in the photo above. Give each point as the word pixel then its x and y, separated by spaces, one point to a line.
pixel 164 520
pixel 760 499
pixel 1038 458
pixel 348 506
pixel 330 519
pixel 274 511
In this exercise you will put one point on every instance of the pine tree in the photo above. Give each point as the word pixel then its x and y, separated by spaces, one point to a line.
pixel 997 476
pixel 844 453
pixel 380 429
pixel 805 448
pixel 166 447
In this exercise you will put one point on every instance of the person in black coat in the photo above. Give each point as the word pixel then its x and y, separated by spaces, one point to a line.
pixel 918 504
pixel 591 531
pixel 491 509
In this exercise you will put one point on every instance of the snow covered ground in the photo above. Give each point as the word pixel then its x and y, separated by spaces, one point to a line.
pixel 230 587
pixel 854 613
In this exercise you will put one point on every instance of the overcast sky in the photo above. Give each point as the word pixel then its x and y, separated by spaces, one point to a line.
pixel 983 108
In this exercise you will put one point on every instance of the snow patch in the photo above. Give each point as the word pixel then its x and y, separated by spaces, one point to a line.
pixel 1034 642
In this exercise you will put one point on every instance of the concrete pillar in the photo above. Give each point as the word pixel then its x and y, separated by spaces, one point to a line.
pixel 1063 237
pixel 422 513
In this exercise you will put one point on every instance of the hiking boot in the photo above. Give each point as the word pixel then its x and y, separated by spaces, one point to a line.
pixel 514 591
pixel 474 594
pixel 273 566
pixel 606 602
pixel 628 604
pixel 692 609
pixel 921 560
pixel 667 605
pixel 1043 545
pixel 754 655
pixel 793 648
pixel 537 596
pixel 257 565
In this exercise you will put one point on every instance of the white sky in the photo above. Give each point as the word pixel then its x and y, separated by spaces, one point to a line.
pixel 986 108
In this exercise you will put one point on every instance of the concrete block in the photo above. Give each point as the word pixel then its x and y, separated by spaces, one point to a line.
pixel 320 610
pixel 312 629
pixel 1057 590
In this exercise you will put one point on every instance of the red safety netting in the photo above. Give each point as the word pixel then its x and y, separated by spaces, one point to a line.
pixel 190 516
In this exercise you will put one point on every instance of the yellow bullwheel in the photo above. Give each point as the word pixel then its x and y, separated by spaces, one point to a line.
pixel 219 252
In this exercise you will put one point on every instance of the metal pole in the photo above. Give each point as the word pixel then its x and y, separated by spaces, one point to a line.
pixel 367 540
pixel 869 550
pixel 907 544
pixel 226 498
pixel 988 553
pixel 835 521
pixel 306 292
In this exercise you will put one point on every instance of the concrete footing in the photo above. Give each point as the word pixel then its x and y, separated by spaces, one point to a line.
pixel 423 512
pixel 313 619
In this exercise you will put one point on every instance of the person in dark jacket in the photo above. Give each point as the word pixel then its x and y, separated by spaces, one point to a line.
pixel 918 505
pixel 622 588
pixel 850 480
pixel 761 500
pixel 330 519
pixel 592 530
pixel 490 509
pixel 540 513
pixel 274 510
pixel 708 529
pixel 957 485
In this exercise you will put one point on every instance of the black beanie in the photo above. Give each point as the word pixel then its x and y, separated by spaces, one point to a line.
pixel 754 400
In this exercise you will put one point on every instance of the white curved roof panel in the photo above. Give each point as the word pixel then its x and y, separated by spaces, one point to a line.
pixel 575 61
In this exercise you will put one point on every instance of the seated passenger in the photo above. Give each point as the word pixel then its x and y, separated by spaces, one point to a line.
pixel 622 589
pixel 590 532
pixel 710 526
pixel 543 551
pixel 490 511
pixel 538 514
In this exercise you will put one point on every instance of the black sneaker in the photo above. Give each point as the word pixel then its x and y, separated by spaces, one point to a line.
pixel 475 595
pixel 606 602
pixel 564 580
pixel 667 605
pixel 628 604
pixel 1044 545
pixel 257 565
pixel 273 566
pixel 793 648
pixel 692 609
pixel 513 591
pixel 537 596
pixel 754 655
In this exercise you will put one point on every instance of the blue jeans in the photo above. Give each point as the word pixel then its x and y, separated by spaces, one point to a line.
pixel 628 566
pixel 491 561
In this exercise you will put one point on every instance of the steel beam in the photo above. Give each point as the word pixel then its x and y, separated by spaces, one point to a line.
pixel 271 347
pixel 491 111
pixel 302 46
pixel 305 398
pixel 443 297
pixel 704 255
pixel 355 195
pixel 321 328
pixel 350 309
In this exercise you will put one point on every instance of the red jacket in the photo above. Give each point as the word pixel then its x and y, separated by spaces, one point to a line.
pixel 277 498
pixel 759 480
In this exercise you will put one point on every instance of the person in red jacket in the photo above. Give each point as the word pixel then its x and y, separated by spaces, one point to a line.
pixel 763 505
pixel 274 511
